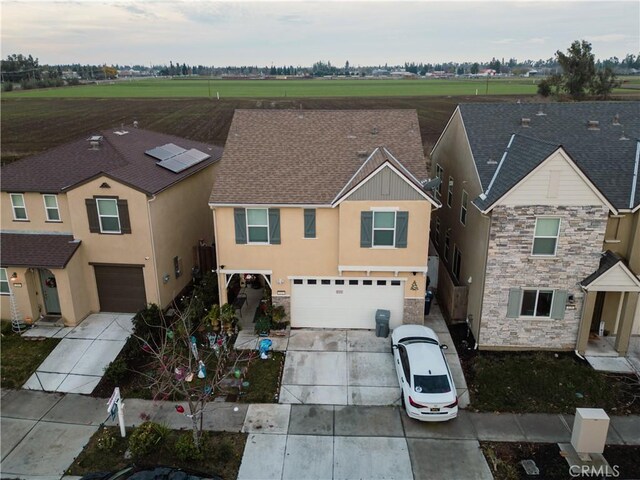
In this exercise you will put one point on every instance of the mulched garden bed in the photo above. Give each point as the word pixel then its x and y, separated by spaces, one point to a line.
pixel 504 460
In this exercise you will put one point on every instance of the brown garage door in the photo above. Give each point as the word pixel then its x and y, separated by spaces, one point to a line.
pixel 120 288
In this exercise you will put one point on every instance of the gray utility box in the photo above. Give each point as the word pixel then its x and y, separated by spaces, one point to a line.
pixel 590 428
pixel 382 323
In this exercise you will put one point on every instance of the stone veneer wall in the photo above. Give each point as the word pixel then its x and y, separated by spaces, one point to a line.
pixel 510 265
pixel 285 302
pixel 413 311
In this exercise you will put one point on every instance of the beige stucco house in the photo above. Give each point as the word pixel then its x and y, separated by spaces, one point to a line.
pixel 329 209
pixel 539 234
pixel 105 223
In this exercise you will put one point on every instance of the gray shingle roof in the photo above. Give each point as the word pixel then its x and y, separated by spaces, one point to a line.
pixel 120 156
pixel 605 159
pixel 36 250
pixel 308 156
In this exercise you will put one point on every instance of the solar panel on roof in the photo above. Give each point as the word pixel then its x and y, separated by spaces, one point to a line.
pixel 173 165
pixel 165 152
pixel 184 160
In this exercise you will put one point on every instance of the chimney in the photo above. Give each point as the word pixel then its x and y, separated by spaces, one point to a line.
pixel 525 122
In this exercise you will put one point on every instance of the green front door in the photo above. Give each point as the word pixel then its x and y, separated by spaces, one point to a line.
pixel 49 292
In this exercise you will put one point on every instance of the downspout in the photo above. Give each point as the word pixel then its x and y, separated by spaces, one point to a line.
pixel 484 279
pixel 153 249
pixel 580 328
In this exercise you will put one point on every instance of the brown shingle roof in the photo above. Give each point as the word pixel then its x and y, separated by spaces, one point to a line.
pixel 308 156
pixel 120 156
pixel 36 250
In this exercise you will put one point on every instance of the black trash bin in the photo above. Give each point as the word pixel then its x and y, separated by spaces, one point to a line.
pixel 428 298
pixel 382 323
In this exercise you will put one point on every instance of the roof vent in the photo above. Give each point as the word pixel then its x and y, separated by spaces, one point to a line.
pixel 525 122
pixel 374 131
pixel 363 153
pixel 541 112
pixel 491 161
pixel 616 119
pixel 623 136
pixel 135 124
pixel 120 132
pixel 593 125
pixel 95 141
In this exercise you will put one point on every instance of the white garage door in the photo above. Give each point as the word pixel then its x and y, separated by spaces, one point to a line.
pixel 344 302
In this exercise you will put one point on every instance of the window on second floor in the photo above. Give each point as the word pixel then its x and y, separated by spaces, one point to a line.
pixel 108 215
pixel 309 223
pixel 257 225
pixel 51 208
pixel 19 207
pixel 450 192
pixel 463 208
pixel 4 282
pixel 545 237
pixel 384 228
pixel 436 237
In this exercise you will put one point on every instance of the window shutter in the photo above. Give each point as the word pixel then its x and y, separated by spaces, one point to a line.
pixel 309 223
pixel 402 227
pixel 558 304
pixel 240 217
pixel 366 229
pixel 513 308
pixel 274 226
pixel 92 215
pixel 123 213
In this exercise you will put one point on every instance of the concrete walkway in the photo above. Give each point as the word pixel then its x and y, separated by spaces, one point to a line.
pixel 77 363
pixel 42 433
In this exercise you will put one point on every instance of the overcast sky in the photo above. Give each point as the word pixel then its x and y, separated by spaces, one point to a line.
pixel 302 32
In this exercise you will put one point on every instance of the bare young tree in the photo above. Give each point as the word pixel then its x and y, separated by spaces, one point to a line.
pixel 190 359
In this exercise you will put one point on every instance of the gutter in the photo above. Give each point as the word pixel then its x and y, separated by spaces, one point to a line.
pixel 634 181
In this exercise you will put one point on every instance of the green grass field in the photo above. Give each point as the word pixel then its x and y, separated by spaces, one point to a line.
pixel 203 88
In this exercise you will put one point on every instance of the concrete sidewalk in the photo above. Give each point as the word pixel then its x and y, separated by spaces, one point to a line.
pixel 43 432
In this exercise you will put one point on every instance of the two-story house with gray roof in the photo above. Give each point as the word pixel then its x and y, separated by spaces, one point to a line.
pixel 539 234
pixel 105 223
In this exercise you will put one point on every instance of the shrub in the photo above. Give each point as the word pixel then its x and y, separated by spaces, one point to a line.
pixel 116 370
pixel 224 451
pixel 544 88
pixel 73 81
pixel 147 321
pixel 106 440
pixel 146 437
pixel 186 450
pixel 7 86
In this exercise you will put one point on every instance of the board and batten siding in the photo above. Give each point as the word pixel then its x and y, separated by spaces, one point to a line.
pixel 386 185
pixel 554 183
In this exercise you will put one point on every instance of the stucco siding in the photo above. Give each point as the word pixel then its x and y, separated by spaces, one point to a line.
pixel 37 218
pixel 511 265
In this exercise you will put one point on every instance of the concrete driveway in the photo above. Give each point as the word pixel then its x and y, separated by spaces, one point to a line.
pixel 353 367
pixel 339 367
pixel 77 363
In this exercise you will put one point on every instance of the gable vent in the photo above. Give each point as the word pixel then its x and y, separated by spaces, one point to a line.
pixel 525 122
pixel 593 125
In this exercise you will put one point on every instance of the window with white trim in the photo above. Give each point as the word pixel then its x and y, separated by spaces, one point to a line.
pixel 447 245
pixel 19 207
pixel 384 229
pixel 439 174
pixel 51 207
pixel 457 262
pixel 436 238
pixel 463 208
pixel 108 215
pixel 536 303
pixel 4 282
pixel 545 237
pixel 257 225
pixel 450 192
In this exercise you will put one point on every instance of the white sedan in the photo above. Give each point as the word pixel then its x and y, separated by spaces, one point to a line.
pixel 428 391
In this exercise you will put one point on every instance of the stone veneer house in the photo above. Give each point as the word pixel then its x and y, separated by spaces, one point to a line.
pixel 328 207
pixel 106 223
pixel 539 234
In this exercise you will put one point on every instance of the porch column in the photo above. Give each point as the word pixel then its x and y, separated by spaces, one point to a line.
pixel 585 322
pixel 222 288
pixel 626 322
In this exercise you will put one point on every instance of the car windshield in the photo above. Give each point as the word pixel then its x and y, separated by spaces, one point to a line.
pixel 431 384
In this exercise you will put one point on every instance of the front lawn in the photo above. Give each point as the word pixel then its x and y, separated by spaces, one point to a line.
pixel 20 357
pixel 529 382
pixel 106 448
pixel 264 379
pixel 504 460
